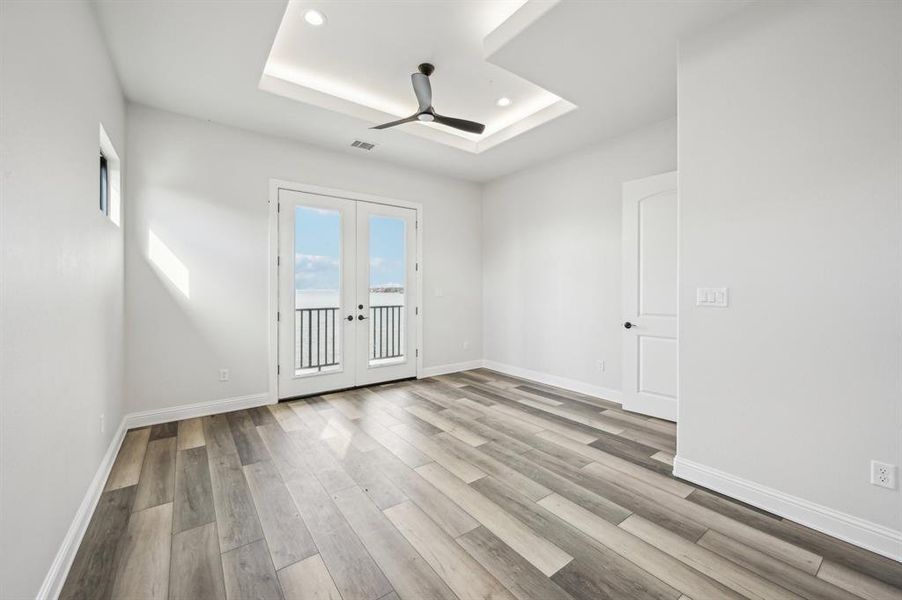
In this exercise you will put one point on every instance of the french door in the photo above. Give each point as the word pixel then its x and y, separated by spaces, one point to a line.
pixel 347 293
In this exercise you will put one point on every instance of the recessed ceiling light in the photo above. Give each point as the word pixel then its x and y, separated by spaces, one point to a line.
pixel 503 101
pixel 315 18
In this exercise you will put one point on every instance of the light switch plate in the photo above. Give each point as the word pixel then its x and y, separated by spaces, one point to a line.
pixel 716 297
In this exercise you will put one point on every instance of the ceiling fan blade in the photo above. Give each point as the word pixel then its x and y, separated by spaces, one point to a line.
pixel 462 124
pixel 393 123
pixel 423 89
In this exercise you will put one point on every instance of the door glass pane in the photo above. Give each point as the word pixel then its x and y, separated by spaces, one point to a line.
pixel 388 274
pixel 317 290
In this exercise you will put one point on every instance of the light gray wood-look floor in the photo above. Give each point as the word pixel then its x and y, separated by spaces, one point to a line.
pixel 473 485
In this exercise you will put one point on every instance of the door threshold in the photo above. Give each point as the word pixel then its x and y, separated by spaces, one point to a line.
pixel 355 387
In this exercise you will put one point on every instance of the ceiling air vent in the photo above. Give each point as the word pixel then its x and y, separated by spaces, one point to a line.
pixel 362 145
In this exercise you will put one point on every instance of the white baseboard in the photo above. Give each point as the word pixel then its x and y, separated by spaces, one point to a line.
pixel 849 528
pixel 451 368
pixel 62 562
pixel 199 409
pixel 573 385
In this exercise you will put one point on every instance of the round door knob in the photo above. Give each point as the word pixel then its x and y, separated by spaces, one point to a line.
pixel 350 317
pixel 360 317
pixel 628 325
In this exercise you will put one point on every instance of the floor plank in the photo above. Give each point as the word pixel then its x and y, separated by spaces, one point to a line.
pixel 668 484
pixel 794 580
pixel 394 444
pixel 857 583
pixel 94 567
pixel 193 504
pixel 494 467
pixel 645 556
pixel 530 466
pixel 706 562
pixel 448 426
pixel 190 434
pixel 247 440
pixel 596 571
pixel 362 468
pixel 451 518
pixel 143 569
pixel 164 430
pixel 512 570
pixel 789 553
pixel 196 568
pixel 461 468
pixel 353 570
pixel 545 556
pixel 308 580
pixel 236 517
pixel 127 467
pixel 248 573
pixel 157 482
pixel 463 574
pixel 286 534
pixel 407 571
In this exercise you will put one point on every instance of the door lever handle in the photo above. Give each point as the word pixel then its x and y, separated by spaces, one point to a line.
pixel 360 317
pixel 628 325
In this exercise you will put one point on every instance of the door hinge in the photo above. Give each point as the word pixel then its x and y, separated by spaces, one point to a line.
pixel 416 224
pixel 278 207
pixel 278 369
pixel 416 310
pixel 278 316
pixel 418 352
pixel 416 266
pixel 278 261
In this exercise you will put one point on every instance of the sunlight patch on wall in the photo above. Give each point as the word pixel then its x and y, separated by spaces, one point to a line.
pixel 168 264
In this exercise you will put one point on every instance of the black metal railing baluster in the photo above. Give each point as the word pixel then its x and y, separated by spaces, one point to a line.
pixel 388 340
pixel 320 335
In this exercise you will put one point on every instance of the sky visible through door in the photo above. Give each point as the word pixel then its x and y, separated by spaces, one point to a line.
pixel 317 258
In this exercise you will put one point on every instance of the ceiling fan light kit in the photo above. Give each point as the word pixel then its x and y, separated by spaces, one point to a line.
pixel 425 111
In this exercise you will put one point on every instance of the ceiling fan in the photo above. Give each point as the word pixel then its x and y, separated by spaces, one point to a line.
pixel 425 111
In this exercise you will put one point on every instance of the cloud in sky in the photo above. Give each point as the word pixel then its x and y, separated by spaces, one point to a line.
pixel 315 271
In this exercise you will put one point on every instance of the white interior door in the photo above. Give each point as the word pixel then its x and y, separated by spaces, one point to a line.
pixel 650 296
pixel 386 284
pixel 347 293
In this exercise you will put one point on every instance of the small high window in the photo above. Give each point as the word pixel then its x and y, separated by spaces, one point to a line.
pixel 110 174
pixel 104 185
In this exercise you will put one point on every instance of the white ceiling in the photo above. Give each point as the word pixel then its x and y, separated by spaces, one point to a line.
pixel 616 61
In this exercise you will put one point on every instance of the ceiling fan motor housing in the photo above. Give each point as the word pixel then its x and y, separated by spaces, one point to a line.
pixel 426 69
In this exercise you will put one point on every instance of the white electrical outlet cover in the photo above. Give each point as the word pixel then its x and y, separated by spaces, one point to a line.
pixel 883 474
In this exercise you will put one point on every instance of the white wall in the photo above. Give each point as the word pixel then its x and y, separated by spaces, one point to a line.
pixel 551 262
pixel 62 288
pixel 203 189
pixel 790 149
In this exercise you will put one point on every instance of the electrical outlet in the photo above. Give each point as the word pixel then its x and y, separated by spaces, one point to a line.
pixel 601 366
pixel 466 344
pixel 883 474
pixel 102 424
pixel 223 374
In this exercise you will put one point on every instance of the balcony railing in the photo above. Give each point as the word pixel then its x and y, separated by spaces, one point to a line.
pixel 386 331
pixel 318 340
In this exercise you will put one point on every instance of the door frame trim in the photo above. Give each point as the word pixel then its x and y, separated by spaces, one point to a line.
pixel 275 185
